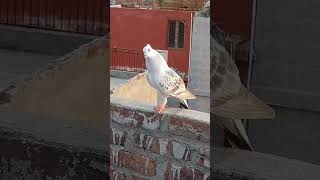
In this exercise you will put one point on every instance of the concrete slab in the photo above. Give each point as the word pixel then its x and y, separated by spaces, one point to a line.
pixel 116 82
pixel 16 65
pixel 237 164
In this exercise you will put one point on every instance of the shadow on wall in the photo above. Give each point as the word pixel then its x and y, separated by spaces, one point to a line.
pixel 69 87
pixel 57 116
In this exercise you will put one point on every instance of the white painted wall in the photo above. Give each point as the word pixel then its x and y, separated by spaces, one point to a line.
pixel 200 64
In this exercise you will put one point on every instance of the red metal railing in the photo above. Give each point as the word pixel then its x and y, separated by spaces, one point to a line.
pixel 132 60
pixel 78 16
pixel 191 5
pixel 127 60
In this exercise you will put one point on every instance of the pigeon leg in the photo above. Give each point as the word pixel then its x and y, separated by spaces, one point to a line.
pixel 159 108
pixel 162 106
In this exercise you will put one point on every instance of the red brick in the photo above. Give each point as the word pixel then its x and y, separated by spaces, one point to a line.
pixel 198 175
pixel 193 126
pixel 169 149
pixel 186 173
pixel 168 173
pixel 135 118
pixel 137 162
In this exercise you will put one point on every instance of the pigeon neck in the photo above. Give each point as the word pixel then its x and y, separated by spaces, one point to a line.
pixel 156 64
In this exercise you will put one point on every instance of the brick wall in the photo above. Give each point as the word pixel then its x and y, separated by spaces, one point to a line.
pixel 170 145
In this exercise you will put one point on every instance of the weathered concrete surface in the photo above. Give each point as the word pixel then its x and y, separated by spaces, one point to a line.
pixel 122 74
pixel 16 65
pixel 40 41
pixel 72 86
pixel 246 165
pixel 116 82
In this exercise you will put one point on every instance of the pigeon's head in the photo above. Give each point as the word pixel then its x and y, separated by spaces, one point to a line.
pixel 147 50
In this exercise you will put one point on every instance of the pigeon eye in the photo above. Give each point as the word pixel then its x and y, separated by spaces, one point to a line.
pixel 148 50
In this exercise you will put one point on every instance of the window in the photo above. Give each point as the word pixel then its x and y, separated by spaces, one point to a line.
pixel 176 34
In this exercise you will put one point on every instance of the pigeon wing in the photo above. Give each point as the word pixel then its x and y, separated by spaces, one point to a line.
pixel 171 84
pixel 225 80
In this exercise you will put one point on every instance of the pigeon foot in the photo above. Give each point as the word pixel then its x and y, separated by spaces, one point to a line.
pixel 159 108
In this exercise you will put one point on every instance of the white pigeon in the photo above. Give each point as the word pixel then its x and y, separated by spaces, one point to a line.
pixel 164 79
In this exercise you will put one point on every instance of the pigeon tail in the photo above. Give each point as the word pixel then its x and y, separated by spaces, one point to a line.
pixel 241 140
pixel 244 106
pixel 186 95
pixel 234 141
pixel 235 133
pixel 184 104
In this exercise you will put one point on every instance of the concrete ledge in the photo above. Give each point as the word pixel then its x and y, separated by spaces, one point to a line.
pixel 189 121
pixel 122 74
pixel 244 165
pixel 40 41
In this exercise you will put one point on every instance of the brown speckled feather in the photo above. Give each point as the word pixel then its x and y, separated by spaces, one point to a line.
pixel 225 81
pixel 171 84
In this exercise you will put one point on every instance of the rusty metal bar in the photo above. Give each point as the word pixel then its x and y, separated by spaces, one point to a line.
pixel 85 16
pixel 61 16
pixel 93 24
pixel 7 12
pixel 0 11
pixel 77 19
pixel 127 60
pixel 23 12
pixel 46 15
pixel 15 11
pixel 30 13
